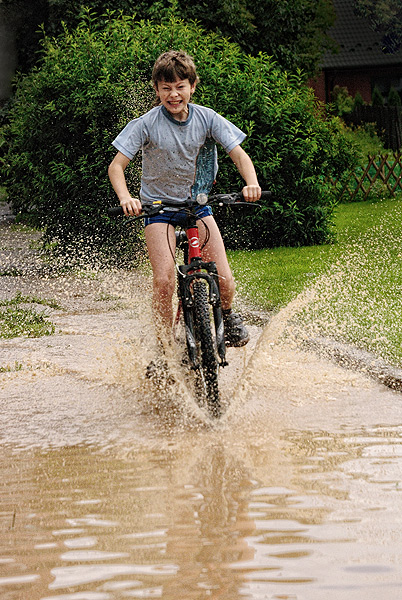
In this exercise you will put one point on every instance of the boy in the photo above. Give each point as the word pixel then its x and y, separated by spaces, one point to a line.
pixel 177 139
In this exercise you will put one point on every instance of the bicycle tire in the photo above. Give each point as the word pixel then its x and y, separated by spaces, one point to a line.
pixel 209 364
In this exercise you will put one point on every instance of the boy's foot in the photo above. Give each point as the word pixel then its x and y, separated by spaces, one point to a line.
pixel 236 334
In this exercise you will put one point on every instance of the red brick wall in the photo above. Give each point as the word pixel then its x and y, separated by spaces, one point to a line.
pixel 356 80
pixel 318 86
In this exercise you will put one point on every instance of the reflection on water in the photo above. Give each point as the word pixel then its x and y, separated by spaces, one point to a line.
pixel 306 514
pixel 111 489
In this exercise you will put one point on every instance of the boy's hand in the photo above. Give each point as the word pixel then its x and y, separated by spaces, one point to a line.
pixel 131 206
pixel 251 193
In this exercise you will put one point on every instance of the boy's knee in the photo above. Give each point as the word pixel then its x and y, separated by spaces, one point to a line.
pixel 164 284
pixel 228 283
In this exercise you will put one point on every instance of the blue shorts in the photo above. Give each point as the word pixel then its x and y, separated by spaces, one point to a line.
pixel 177 217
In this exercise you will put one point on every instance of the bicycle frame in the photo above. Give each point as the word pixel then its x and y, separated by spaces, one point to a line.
pixel 196 268
pixel 206 348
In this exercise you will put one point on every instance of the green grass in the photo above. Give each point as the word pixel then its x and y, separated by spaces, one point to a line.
pixel 271 278
pixel 24 322
pixel 20 321
pixel 32 299
pixel 12 368
pixel 350 290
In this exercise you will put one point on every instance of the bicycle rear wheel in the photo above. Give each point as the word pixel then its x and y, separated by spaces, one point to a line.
pixel 208 360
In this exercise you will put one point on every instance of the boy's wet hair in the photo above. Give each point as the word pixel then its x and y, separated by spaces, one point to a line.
pixel 173 65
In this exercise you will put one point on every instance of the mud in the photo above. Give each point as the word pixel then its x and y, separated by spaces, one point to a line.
pixel 113 487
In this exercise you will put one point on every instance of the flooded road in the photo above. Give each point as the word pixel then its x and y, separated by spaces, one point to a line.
pixel 113 488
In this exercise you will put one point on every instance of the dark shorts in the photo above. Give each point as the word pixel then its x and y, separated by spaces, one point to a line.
pixel 177 217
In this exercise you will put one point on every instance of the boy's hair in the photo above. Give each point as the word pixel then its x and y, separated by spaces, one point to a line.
pixel 173 65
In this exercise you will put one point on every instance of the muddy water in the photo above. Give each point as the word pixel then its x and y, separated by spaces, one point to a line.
pixel 113 487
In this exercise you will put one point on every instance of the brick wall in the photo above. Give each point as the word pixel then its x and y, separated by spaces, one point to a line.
pixel 356 80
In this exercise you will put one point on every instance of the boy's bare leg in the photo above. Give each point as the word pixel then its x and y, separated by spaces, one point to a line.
pixel 215 251
pixel 236 333
pixel 163 268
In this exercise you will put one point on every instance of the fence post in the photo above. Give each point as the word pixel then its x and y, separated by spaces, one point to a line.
pixel 384 170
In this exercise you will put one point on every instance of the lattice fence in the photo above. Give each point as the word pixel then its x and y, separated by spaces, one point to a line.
pixel 385 170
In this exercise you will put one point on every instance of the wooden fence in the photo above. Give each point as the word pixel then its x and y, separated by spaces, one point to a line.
pixel 383 170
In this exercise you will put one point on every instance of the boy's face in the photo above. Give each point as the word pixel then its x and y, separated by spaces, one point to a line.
pixel 175 96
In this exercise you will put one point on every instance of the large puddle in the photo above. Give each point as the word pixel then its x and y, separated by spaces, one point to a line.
pixel 113 488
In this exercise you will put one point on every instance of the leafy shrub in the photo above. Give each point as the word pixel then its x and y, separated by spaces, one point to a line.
pixel 358 100
pixel 366 141
pixel 342 102
pixel 62 121
pixel 93 81
pixel 377 99
pixel 394 98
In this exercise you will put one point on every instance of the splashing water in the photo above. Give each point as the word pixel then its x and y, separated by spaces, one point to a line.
pixel 348 303
pixel 114 487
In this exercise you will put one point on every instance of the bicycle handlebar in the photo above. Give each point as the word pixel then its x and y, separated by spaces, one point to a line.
pixel 155 208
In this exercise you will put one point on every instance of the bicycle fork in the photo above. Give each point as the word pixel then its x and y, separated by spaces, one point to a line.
pixel 198 269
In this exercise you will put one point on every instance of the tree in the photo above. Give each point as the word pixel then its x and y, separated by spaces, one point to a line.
pixel 394 98
pixel 25 17
pixel 93 80
pixel 386 18
pixel 341 101
pixel 377 99
pixel 293 32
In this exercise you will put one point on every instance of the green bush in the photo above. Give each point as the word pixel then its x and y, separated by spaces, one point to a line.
pixel 92 82
pixel 377 99
pixel 366 141
pixel 358 100
pixel 394 98
pixel 342 102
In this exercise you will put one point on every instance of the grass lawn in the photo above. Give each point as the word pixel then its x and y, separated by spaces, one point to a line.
pixel 350 290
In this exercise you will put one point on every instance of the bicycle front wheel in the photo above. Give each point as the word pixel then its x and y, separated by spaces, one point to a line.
pixel 208 360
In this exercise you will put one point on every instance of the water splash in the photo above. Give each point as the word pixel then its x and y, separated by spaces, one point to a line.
pixel 347 303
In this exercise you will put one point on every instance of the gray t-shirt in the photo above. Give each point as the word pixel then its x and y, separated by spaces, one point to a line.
pixel 179 158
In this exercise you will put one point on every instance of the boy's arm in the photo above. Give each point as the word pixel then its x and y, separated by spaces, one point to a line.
pixel 131 206
pixel 243 162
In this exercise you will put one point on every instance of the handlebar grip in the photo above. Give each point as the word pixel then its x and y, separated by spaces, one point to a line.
pixel 114 211
pixel 265 194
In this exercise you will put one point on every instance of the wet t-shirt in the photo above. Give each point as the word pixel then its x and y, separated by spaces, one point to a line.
pixel 179 158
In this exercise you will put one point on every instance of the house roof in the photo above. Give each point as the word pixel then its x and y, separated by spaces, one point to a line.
pixel 359 45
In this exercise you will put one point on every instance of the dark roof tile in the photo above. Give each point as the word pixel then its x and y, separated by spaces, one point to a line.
pixel 359 45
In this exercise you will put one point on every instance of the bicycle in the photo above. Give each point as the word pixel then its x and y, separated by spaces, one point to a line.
pixel 199 301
